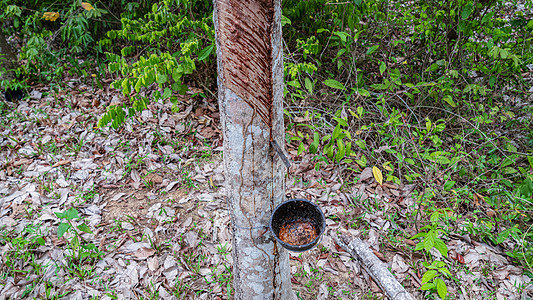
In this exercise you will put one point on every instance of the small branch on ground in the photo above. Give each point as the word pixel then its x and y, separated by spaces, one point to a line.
pixel 371 263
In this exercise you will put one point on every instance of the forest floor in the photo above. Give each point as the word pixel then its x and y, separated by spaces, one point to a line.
pixel 152 197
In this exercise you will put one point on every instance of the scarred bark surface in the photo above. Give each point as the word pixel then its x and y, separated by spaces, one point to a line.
pixel 254 175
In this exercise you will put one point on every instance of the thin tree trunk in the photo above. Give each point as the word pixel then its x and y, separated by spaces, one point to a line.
pixel 250 91
pixel 8 60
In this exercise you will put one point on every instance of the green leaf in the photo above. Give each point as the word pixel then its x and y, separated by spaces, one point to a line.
pixel 508 170
pixel 160 78
pixel 308 85
pixel 526 189
pixel 487 17
pixel 83 227
pixel 64 215
pixel 342 35
pixel 428 276
pixel 301 148
pixel 167 93
pixel 176 75
pixel 419 235
pixel 329 150
pixel 530 159
pixel 362 92
pixel 441 288
pixel 503 235
pixel 507 161
pixel 434 216
pixel 205 52
pixel 40 241
pixel 419 246
pixel 341 121
pixel 428 286
pixel 441 247
pixel 348 148
pixel 382 67
pixel 448 99
pixel 125 87
pixel 445 271
pixel 361 144
pixel 492 81
pixel 428 125
pixel 439 158
pixel 448 185
pixel 341 150
pixel 334 84
pixel 313 148
pixel 336 132
pixel 467 10
pixel 429 240
pixel 362 162
pixel 62 228
pixel 71 213
pixel 285 20
pixel 372 49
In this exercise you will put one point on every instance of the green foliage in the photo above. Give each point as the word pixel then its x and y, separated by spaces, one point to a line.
pixel 20 251
pixel 50 44
pixel 431 280
pixel 175 42
pixel 80 251
pixel 430 235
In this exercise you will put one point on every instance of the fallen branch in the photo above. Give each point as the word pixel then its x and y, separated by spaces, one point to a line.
pixel 378 270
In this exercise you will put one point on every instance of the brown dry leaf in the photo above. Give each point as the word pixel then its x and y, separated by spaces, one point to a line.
pixel 410 242
pixel 491 213
pixel 153 263
pixel 379 255
pixel 144 253
pixel 61 163
pixel 365 174
pixel 294 281
pixel 478 199
pixel 460 258
pixel 154 178
pixel 398 264
pixel 208 132
pixel 24 161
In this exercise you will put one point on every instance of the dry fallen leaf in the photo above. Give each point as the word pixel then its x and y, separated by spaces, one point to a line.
pixel 377 175
pixel 410 242
pixel 61 163
pixel 478 199
pixel 144 252
pixel 365 174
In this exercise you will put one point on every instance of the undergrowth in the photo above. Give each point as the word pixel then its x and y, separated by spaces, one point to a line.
pixel 432 93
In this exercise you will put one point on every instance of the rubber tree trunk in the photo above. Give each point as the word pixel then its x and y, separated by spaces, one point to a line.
pixel 250 91
pixel 8 60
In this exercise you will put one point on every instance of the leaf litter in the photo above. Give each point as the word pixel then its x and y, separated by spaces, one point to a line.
pixel 152 193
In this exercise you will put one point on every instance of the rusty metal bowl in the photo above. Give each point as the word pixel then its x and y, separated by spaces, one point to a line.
pixel 297 224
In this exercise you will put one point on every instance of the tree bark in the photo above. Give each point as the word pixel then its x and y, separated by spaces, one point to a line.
pixel 8 60
pixel 250 92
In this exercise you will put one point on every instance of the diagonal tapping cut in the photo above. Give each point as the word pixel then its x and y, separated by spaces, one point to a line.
pixel 245 35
